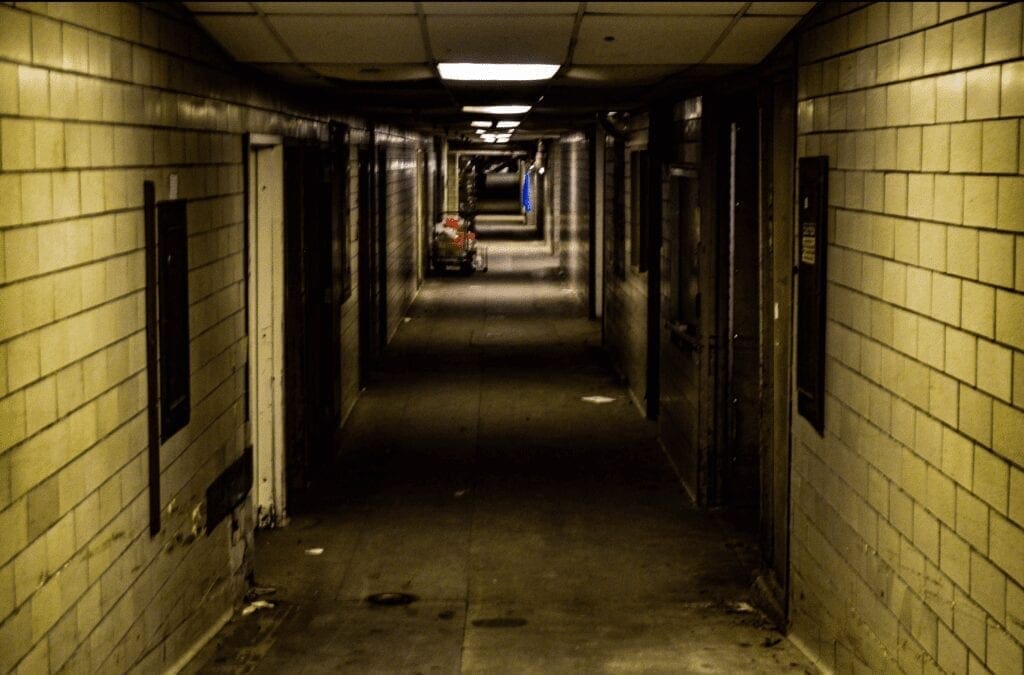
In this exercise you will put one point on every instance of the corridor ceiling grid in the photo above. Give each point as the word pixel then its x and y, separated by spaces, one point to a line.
pixel 380 58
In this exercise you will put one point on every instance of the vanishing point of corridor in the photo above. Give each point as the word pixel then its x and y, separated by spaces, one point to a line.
pixel 537 531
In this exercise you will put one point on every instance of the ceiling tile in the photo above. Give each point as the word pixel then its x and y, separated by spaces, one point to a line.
pixel 752 38
pixel 219 7
pixel 384 72
pixel 780 8
pixel 492 8
pixel 647 39
pixel 622 75
pixel 352 39
pixel 513 39
pixel 336 8
pixel 291 73
pixel 246 38
pixel 670 8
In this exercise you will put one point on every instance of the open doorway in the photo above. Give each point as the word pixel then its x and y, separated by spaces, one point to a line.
pixel 265 288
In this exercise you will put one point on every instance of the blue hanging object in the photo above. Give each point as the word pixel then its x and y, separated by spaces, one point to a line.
pixel 526 192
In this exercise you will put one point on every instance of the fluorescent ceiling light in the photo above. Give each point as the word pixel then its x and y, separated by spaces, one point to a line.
pixel 497 109
pixel 508 124
pixel 483 124
pixel 481 131
pixel 497 71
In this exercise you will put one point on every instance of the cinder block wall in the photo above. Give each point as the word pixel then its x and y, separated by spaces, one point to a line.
pixel 402 228
pixel 907 539
pixel 626 298
pixel 95 98
pixel 571 165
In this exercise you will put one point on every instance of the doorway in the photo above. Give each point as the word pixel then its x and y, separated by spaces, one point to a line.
pixel 265 289
pixel 778 158
pixel 685 420
pixel 313 232
pixel 739 262
pixel 372 265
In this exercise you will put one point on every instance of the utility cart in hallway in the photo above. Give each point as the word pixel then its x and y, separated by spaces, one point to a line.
pixel 454 247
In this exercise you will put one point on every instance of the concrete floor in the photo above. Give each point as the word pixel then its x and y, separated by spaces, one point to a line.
pixel 508 227
pixel 538 532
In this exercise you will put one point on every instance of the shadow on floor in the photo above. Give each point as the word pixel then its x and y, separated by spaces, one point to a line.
pixel 537 532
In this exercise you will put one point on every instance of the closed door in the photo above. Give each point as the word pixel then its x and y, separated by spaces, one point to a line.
pixel 683 414
pixel 741 376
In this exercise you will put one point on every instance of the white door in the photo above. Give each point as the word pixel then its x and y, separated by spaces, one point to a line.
pixel 266 328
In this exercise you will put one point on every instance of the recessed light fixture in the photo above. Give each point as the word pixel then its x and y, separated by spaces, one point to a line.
pixel 508 124
pixel 496 109
pixel 497 71
pixel 482 124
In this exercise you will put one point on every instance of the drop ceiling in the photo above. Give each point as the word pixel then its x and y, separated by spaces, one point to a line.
pixel 380 59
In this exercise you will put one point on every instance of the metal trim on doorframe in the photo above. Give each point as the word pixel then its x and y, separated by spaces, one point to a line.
pixel 152 356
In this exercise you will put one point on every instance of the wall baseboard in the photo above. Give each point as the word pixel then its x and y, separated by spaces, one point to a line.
pixel 198 645
pixel 811 656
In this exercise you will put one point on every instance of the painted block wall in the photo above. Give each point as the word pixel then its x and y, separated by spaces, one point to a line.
pixel 908 515
pixel 626 299
pixel 571 162
pixel 94 99
pixel 402 225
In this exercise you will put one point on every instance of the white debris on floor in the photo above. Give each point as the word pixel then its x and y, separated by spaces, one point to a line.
pixel 597 399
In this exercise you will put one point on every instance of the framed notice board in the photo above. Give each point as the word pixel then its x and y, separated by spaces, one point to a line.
pixel 812 238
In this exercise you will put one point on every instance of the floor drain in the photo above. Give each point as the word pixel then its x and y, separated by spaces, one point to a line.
pixel 391 599
pixel 509 622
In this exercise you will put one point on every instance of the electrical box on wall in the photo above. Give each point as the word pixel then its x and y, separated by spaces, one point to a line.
pixel 812 238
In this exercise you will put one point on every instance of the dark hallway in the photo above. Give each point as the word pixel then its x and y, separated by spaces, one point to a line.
pixel 595 336
pixel 539 532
